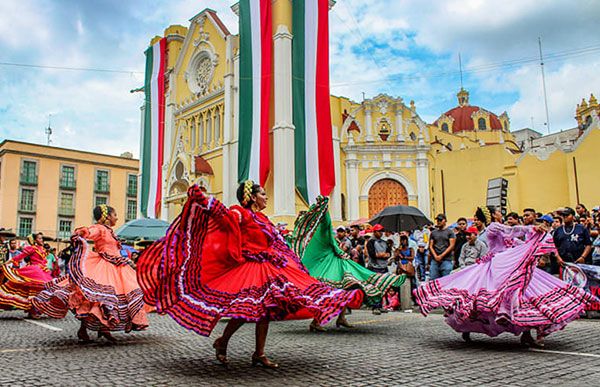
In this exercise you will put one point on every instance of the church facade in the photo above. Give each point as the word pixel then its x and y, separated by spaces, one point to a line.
pixel 384 153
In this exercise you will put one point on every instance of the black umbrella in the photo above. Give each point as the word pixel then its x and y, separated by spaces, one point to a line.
pixel 401 218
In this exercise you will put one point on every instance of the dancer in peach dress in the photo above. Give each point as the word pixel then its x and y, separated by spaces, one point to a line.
pixel 101 287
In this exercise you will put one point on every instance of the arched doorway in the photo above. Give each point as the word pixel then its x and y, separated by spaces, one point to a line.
pixel 384 193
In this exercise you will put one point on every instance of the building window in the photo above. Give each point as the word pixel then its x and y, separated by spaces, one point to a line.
pixel 413 136
pixel 132 185
pixel 66 207
pixel 445 127
pixel 28 172
pixel 217 127
pixel 100 200
pixel 102 181
pixel 131 210
pixel 506 126
pixel 481 124
pixel 67 177
pixel 64 228
pixel 27 203
pixel 25 226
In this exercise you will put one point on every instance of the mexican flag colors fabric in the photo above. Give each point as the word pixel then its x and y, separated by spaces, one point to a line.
pixel 315 174
pixel 153 137
pixel 256 56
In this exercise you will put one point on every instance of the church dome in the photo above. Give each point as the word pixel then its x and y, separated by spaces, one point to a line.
pixel 465 117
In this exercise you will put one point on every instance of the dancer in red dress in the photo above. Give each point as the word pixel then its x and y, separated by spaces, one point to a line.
pixel 216 262
pixel 22 283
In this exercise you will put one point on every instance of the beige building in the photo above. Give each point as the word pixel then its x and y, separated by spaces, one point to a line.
pixel 53 190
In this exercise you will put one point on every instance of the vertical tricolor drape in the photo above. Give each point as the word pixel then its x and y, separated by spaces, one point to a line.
pixel 315 174
pixel 154 130
pixel 256 40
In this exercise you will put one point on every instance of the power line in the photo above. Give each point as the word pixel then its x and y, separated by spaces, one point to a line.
pixel 70 68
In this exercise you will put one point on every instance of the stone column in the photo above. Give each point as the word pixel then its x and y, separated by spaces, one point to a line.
pixel 336 195
pixel 369 123
pixel 423 200
pixel 227 123
pixel 399 123
pixel 352 186
pixel 283 129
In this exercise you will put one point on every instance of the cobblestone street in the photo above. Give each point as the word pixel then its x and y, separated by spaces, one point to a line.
pixel 392 349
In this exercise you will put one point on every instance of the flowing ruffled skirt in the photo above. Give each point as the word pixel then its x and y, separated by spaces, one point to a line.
pixel 192 275
pixel 17 286
pixel 313 240
pixel 101 294
pixel 504 292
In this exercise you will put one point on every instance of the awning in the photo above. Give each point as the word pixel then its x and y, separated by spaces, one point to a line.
pixel 202 166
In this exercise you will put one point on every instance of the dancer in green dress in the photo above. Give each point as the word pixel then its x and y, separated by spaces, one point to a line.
pixel 314 242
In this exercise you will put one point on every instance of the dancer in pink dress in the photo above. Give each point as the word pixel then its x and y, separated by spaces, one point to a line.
pixel 18 284
pixel 505 291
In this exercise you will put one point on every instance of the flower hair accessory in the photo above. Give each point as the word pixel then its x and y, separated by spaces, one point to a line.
pixel 104 216
pixel 248 184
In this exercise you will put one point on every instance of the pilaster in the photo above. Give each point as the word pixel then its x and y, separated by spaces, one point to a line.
pixel 336 195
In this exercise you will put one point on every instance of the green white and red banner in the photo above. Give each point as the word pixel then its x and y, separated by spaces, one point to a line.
pixel 256 56
pixel 153 137
pixel 315 173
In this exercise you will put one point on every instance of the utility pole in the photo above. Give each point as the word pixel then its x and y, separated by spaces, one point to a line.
pixel 460 69
pixel 544 84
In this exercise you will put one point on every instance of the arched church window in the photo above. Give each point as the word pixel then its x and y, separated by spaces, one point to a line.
pixel 445 127
pixel 588 122
pixel 209 130
pixel 449 146
pixel 201 132
pixel 192 127
pixel 481 124
pixel 217 127
pixel 413 136
pixel 506 126
pixel 344 207
pixel 179 170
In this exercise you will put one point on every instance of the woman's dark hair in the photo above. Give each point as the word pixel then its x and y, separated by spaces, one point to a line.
pixel 461 218
pixel 240 194
pixel 98 212
pixel 403 238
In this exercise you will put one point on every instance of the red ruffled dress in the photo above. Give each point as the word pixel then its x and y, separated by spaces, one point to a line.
pixel 216 262
pixel 18 285
pixel 101 288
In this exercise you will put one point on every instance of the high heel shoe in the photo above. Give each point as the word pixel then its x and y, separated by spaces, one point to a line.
pixel 262 360
pixel 342 322
pixel 313 327
pixel 221 352
pixel 83 337
pixel 107 336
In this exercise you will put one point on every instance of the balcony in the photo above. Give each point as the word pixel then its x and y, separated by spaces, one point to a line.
pixel 66 211
pixel 68 184
pixel 102 188
pixel 28 179
pixel 27 208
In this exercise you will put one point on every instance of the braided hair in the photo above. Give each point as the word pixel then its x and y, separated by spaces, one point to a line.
pixel 484 214
pixel 101 212
pixel 245 191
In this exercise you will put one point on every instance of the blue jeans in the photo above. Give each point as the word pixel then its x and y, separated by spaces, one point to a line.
pixel 440 269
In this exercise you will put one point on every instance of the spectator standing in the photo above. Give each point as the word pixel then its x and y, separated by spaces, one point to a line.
pixel 441 247
pixel 13 248
pixel 473 249
pixel 357 242
pixel 421 258
pixel 529 217
pixel 343 240
pixel 379 252
pixel 391 236
pixel 572 240
pixel 461 239
pixel 556 223
pixel 512 219
pixel 483 217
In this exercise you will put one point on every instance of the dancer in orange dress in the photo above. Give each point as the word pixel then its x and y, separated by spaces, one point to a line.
pixel 19 284
pixel 217 262
pixel 101 287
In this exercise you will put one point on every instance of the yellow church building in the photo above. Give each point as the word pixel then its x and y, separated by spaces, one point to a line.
pixel 384 152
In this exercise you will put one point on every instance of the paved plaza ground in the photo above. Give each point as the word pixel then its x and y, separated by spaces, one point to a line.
pixel 391 349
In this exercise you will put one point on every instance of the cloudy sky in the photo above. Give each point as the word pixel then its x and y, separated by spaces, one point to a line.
pixel 405 48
